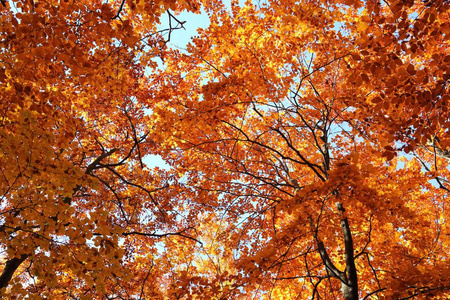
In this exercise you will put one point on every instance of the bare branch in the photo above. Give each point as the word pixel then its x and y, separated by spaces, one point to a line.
pixel 161 235
pixel 373 293
pixel 117 16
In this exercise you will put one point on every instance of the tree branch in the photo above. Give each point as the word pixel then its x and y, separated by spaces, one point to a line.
pixel 10 267
pixel 350 291
pixel 373 293
pixel 117 16
pixel 329 264
pixel 161 235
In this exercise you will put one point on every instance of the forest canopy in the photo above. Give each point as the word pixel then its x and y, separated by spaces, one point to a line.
pixel 306 148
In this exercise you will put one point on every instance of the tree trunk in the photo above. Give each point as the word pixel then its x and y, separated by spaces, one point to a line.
pixel 10 267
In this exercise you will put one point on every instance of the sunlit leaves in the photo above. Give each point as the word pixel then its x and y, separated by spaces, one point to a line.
pixel 73 137
pixel 293 107
pixel 272 115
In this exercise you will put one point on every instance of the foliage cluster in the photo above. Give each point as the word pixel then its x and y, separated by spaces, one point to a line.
pixel 307 142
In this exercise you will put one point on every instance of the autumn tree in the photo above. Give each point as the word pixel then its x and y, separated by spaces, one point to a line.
pixel 319 132
pixel 307 144
pixel 81 214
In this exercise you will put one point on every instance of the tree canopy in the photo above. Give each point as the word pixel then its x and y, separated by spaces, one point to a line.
pixel 307 147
